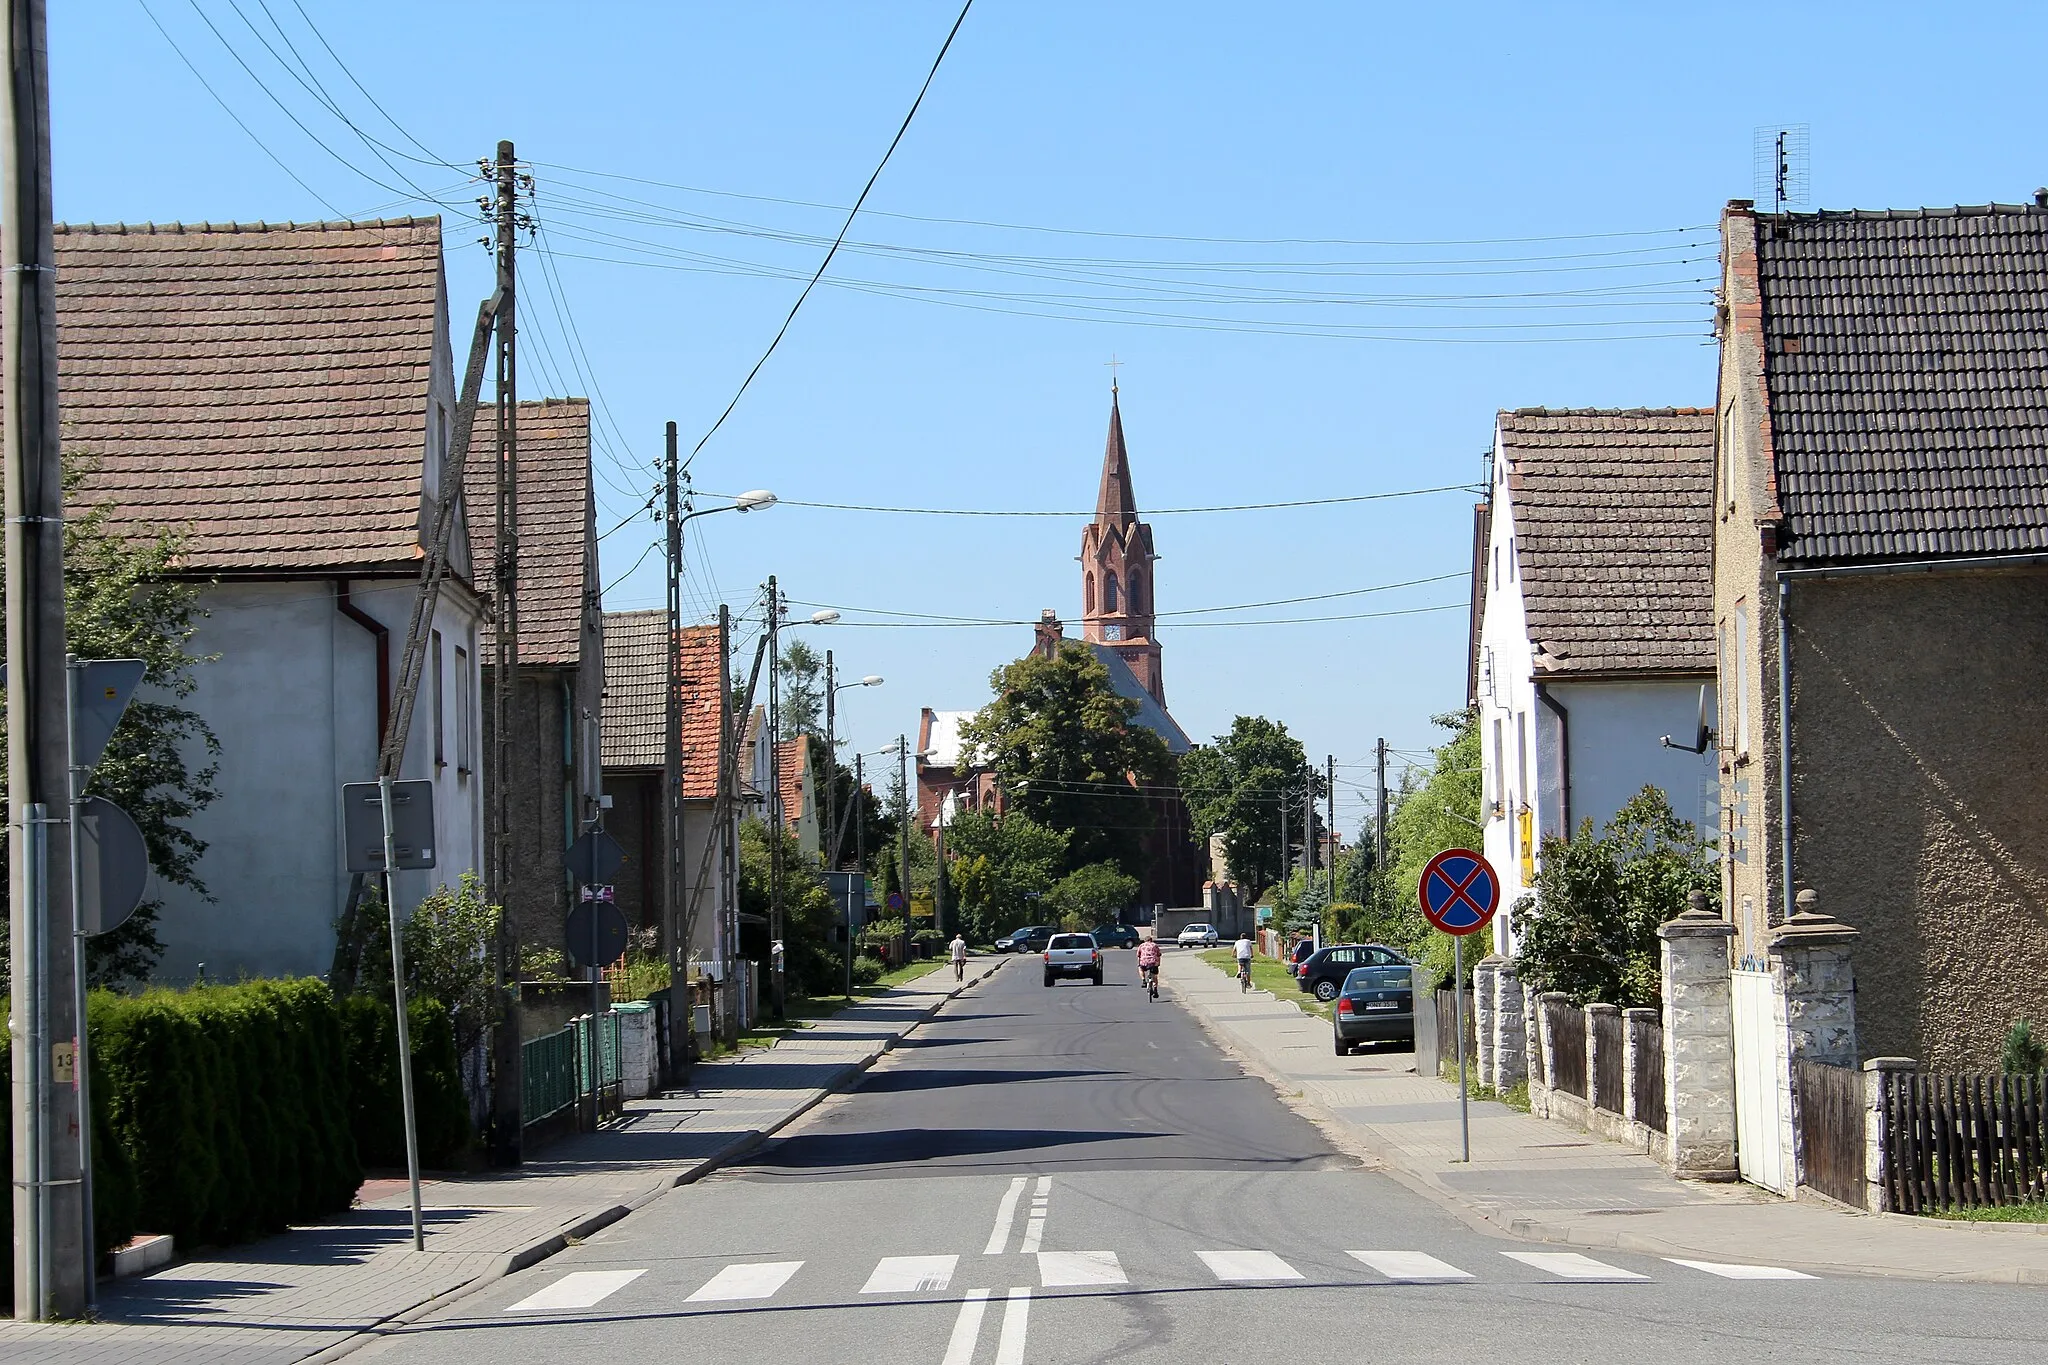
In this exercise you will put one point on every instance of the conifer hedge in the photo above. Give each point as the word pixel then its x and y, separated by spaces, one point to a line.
pixel 222 1113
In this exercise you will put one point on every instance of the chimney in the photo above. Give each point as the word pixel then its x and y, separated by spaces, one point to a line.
pixel 1047 634
pixel 2041 197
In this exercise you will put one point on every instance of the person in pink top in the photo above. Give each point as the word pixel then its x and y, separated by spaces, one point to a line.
pixel 1148 965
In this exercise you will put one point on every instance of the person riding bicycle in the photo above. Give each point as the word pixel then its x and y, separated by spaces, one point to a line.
pixel 1148 963
pixel 959 957
pixel 1243 950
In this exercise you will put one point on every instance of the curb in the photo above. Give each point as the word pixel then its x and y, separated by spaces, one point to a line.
pixel 541 1248
pixel 1490 1218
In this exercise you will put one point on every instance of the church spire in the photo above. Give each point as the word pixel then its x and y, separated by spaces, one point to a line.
pixel 1116 503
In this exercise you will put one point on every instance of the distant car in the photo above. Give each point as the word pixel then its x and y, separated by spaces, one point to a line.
pixel 1197 936
pixel 1301 953
pixel 1030 939
pixel 1115 936
pixel 1322 973
pixel 1073 955
pixel 1375 1004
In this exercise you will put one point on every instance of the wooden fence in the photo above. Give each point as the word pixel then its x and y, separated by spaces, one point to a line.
pixel 1608 1045
pixel 1964 1141
pixel 1831 1140
pixel 1447 1031
pixel 1652 1106
pixel 1564 1025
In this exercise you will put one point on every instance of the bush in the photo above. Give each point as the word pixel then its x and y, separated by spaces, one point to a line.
pixel 2023 1054
pixel 866 970
pixel 376 1105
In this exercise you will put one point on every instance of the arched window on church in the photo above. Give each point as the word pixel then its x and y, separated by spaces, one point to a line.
pixel 1089 593
pixel 1138 594
pixel 1109 591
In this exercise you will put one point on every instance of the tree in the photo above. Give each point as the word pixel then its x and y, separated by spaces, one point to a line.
pixel 811 957
pixel 802 703
pixel 1089 895
pixel 447 954
pixel 1431 813
pixel 1235 787
pixel 1589 929
pixel 1064 746
pixel 122 602
pixel 1002 869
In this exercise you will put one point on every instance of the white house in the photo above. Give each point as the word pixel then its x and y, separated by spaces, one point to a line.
pixel 282 396
pixel 1596 634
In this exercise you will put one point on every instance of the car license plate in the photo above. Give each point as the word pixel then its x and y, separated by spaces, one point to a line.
pixel 1383 1004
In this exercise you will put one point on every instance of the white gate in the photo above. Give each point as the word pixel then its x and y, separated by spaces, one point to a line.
pixel 1760 1095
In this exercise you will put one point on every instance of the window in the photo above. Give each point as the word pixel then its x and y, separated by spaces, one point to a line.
pixel 1138 592
pixel 1499 772
pixel 1741 681
pixel 440 705
pixel 465 719
pixel 1109 593
pixel 1522 757
pixel 1088 591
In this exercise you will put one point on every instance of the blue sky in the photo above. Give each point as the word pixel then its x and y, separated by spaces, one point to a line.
pixel 1433 207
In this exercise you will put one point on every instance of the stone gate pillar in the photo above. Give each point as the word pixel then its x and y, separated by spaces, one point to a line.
pixel 1485 1000
pixel 1699 1044
pixel 1510 1030
pixel 1815 1004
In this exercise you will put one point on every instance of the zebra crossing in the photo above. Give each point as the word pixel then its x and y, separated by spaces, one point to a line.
pixel 754 1282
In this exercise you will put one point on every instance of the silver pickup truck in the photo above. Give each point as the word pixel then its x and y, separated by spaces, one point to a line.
pixel 1073 955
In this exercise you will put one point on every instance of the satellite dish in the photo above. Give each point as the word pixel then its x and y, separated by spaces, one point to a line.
pixel 1703 734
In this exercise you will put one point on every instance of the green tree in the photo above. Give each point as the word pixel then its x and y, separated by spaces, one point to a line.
pixel 122 601
pixel 1235 787
pixel 1589 929
pixel 1068 753
pixel 447 953
pixel 1092 895
pixel 1002 869
pixel 1433 811
pixel 812 958
pixel 802 706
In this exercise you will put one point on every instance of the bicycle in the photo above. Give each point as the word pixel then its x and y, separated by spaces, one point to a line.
pixel 1244 976
pixel 1151 975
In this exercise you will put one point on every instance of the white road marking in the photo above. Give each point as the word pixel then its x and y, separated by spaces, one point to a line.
pixel 756 1281
pixel 1066 1269
pixel 1248 1265
pixel 1743 1272
pixel 967 1328
pixel 580 1289
pixel 910 1274
pixel 1409 1265
pixel 1006 1214
pixel 1034 1227
pixel 1569 1265
pixel 1016 1313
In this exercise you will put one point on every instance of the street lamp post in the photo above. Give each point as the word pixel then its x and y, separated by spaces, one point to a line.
pixel 832 690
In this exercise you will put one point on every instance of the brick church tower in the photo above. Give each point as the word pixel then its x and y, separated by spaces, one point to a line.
pixel 1116 567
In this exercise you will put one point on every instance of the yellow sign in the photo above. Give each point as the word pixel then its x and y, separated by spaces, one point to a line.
pixel 1526 829
pixel 920 905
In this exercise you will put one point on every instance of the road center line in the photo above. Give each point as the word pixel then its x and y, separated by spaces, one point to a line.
pixel 967 1328
pixel 1016 1312
pixel 1006 1214
pixel 1034 1229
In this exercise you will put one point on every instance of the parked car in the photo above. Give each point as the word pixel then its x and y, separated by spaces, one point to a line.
pixel 1375 1004
pixel 1030 939
pixel 1073 955
pixel 1115 936
pixel 1300 953
pixel 1322 973
pixel 1198 936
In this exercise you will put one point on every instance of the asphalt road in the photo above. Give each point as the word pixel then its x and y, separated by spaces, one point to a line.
pixel 1078 1174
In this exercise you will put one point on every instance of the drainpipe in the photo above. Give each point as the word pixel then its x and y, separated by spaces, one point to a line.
pixel 382 636
pixel 1785 746
pixel 1564 757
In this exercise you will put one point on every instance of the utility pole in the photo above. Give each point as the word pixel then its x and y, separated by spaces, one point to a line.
pixel 51 1260
pixel 731 732
pixel 1330 817
pixel 1379 832
pixel 831 831
pixel 909 813
pixel 1308 830
pixel 939 873
pixel 775 810
pixel 1286 858
pixel 672 714
pixel 506 1053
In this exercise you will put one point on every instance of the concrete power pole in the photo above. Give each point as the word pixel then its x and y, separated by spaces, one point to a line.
pixel 506 1053
pixel 831 828
pixel 672 738
pixel 1330 817
pixel 903 825
pixel 1379 832
pixel 51 1260
pixel 775 811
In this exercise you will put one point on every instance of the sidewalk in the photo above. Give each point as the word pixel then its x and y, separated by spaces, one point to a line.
pixel 1550 1182
pixel 315 1293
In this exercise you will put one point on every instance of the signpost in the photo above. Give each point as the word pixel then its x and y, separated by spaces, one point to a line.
pixel 1459 894
pixel 596 934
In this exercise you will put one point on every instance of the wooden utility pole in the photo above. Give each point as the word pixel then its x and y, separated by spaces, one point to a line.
pixel 51 1260
pixel 672 713
pixel 506 1118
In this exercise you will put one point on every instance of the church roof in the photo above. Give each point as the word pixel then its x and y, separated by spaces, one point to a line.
pixel 1151 714
pixel 1116 502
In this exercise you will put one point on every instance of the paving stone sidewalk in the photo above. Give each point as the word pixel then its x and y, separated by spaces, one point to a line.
pixel 1552 1182
pixel 316 1293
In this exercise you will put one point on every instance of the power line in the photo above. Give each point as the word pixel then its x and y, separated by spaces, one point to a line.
pixel 847 226
pixel 1157 512
pixel 1179 625
pixel 432 158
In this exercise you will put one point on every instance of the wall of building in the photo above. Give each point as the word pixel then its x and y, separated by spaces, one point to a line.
pixel 1509 718
pixel 1613 732
pixel 1919 737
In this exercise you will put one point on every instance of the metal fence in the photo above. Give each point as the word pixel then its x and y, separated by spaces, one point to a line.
pixel 1564 1026
pixel 1608 1044
pixel 1964 1141
pixel 1830 1108
pixel 548 1075
pixel 604 1084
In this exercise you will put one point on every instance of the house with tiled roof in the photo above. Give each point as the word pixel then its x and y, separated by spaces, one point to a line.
pixel 1594 586
pixel 557 713
pixel 635 740
pixel 281 397
pixel 1880 523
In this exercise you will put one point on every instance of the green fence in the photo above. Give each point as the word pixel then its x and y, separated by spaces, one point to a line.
pixel 549 1072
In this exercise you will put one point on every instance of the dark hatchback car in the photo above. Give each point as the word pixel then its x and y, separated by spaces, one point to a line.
pixel 1115 936
pixel 1322 975
pixel 1030 939
pixel 1301 953
pixel 1375 1005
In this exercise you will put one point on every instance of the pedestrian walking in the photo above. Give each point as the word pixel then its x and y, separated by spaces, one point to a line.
pixel 959 957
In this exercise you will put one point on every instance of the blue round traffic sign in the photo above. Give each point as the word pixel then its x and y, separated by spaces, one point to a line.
pixel 1459 891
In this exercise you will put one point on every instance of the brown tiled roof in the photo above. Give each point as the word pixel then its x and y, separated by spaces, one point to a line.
pixel 1907 360
pixel 792 757
pixel 263 387
pixel 557 534
pixel 634 724
pixel 1613 514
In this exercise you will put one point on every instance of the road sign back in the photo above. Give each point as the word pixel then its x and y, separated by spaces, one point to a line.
pixel 1459 891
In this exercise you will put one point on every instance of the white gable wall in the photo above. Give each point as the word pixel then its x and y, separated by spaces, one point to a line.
pixel 1512 769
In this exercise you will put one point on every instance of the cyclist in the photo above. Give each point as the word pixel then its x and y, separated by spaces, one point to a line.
pixel 1244 962
pixel 1148 966
pixel 959 957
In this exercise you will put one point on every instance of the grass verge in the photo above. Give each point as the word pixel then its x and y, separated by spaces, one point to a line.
pixel 1268 975
pixel 2036 1212
pixel 804 1011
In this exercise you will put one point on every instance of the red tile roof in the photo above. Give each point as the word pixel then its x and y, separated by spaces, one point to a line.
pixel 635 727
pixel 557 533
pixel 698 687
pixel 794 757
pixel 262 386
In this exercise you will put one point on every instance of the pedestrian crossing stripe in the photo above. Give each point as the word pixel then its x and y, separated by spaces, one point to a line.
pixel 1075 1269
pixel 1247 1266
pixel 1412 1267
pixel 757 1281
pixel 910 1274
pixel 1742 1272
pixel 578 1289
pixel 1570 1265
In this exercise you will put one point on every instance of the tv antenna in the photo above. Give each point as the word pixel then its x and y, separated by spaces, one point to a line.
pixel 1783 166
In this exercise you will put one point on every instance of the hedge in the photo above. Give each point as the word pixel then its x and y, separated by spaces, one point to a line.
pixel 223 1113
